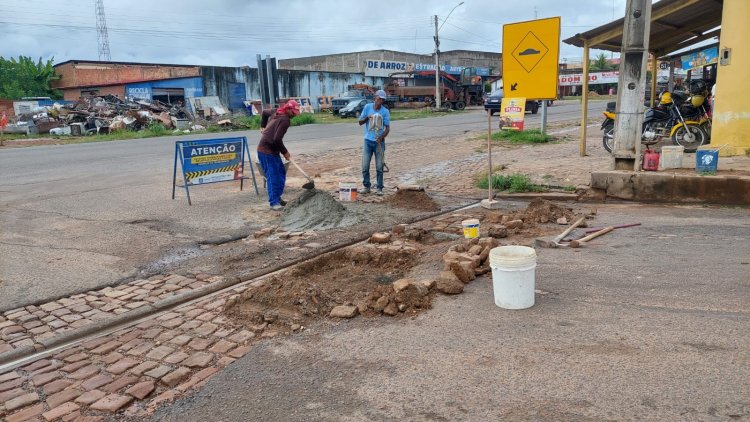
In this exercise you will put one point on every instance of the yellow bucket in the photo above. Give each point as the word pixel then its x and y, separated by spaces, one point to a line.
pixel 471 228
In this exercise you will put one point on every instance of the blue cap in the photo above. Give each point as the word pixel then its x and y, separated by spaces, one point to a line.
pixel 381 94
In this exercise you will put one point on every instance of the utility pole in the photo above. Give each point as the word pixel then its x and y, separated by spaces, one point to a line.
pixel 437 66
pixel 632 85
pixel 101 31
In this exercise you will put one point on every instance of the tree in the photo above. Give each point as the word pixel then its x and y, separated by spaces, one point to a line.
pixel 600 63
pixel 26 78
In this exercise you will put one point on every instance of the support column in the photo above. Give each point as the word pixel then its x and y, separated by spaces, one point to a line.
pixel 584 99
pixel 731 117
pixel 654 71
pixel 632 85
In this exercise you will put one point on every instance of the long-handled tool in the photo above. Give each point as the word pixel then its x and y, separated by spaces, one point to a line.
pixel 580 242
pixel 555 243
pixel 310 183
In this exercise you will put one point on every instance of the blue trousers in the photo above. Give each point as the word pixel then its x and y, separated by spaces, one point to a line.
pixel 275 173
pixel 372 148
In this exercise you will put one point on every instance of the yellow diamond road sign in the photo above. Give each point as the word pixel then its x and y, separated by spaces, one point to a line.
pixel 531 52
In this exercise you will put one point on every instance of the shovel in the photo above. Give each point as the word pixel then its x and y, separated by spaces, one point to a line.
pixel 310 183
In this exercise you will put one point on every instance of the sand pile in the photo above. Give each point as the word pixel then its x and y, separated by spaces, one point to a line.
pixel 543 211
pixel 312 210
pixel 413 200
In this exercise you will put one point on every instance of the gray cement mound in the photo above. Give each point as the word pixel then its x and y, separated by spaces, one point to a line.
pixel 313 210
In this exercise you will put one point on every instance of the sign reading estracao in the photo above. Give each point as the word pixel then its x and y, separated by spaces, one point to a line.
pixel 531 51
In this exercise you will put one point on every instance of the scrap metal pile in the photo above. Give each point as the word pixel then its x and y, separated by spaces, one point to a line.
pixel 109 113
pixel 101 115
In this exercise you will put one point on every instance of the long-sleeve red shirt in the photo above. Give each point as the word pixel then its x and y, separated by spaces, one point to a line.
pixel 272 140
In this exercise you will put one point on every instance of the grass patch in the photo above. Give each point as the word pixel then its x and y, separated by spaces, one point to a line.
pixel 531 136
pixel 303 119
pixel 247 122
pixel 243 122
pixel 513 183
pixel 396 114
pixel 569 188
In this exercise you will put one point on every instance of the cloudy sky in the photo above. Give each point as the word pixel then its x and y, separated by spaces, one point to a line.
pixel 232 32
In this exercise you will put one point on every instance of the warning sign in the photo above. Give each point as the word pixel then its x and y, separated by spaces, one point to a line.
pixel 531 52
pixel 218 158
pixel 211 161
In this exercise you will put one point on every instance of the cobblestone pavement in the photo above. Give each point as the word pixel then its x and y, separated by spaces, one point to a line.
pixel 130 372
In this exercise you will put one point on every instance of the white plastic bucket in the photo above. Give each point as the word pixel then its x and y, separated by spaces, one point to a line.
pixel 671 157
pixel 347 191
pixel 513 276
pixel 471 228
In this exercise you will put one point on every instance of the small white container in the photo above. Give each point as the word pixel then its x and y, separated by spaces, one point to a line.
pixel 513 276
pixel 347 191
pixel 671 157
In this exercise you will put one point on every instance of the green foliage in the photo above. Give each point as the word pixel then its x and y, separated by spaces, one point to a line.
pixel 600 63
pixel 26 78
pixel 513 183
pixel 532 136
pixel 156 129
pixel 569 188
pixel 249 122
pixel 302 119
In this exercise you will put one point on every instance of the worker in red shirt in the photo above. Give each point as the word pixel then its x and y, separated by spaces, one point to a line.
pixel 270 150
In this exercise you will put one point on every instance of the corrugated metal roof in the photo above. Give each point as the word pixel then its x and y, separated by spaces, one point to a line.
pixel 675 24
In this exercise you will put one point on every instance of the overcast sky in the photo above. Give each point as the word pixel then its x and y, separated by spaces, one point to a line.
pixel 232 32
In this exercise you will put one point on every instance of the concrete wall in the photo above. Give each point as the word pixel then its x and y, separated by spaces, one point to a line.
pixel 354 62
pixel 193 87
pixel 73 94
pixel 216 81
pixel 291 83
pixel 731 117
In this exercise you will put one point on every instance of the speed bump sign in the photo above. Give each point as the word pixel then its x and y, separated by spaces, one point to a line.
pixel 531 53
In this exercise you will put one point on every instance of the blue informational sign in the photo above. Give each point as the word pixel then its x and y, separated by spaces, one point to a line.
pixel 211 161
pixel 699 59
pixel 450 69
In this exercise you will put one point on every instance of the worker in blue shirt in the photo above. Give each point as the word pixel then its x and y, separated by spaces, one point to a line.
pixel 377 121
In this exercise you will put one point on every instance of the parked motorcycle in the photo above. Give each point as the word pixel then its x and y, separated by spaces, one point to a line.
pixel 697 108
pixel 663 121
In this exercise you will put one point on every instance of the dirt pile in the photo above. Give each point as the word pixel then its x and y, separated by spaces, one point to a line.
pixel 356 276
pixel 543 211
pixel 312 210
pixel 414 200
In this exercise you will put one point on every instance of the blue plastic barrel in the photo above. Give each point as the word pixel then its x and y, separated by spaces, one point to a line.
pixel 706 160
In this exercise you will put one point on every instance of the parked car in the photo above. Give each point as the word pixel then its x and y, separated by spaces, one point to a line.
pixel 353 108
pixel 493 101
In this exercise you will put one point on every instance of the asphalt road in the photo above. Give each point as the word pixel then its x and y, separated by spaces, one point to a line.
pixel 645 323
pixel 82 216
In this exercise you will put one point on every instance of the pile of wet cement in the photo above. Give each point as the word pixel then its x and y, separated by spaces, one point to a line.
pixel 313 210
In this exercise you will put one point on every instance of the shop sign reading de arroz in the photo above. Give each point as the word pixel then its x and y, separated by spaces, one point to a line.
pixel 211 161
pixel 531 52
pixel 512 113
pixel 383 68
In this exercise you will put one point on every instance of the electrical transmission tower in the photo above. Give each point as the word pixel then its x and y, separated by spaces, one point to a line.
pixel 101 32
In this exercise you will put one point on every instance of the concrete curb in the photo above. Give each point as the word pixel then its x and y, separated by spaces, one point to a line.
pixel 176 300
pixel 550 196
pixel 673 187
